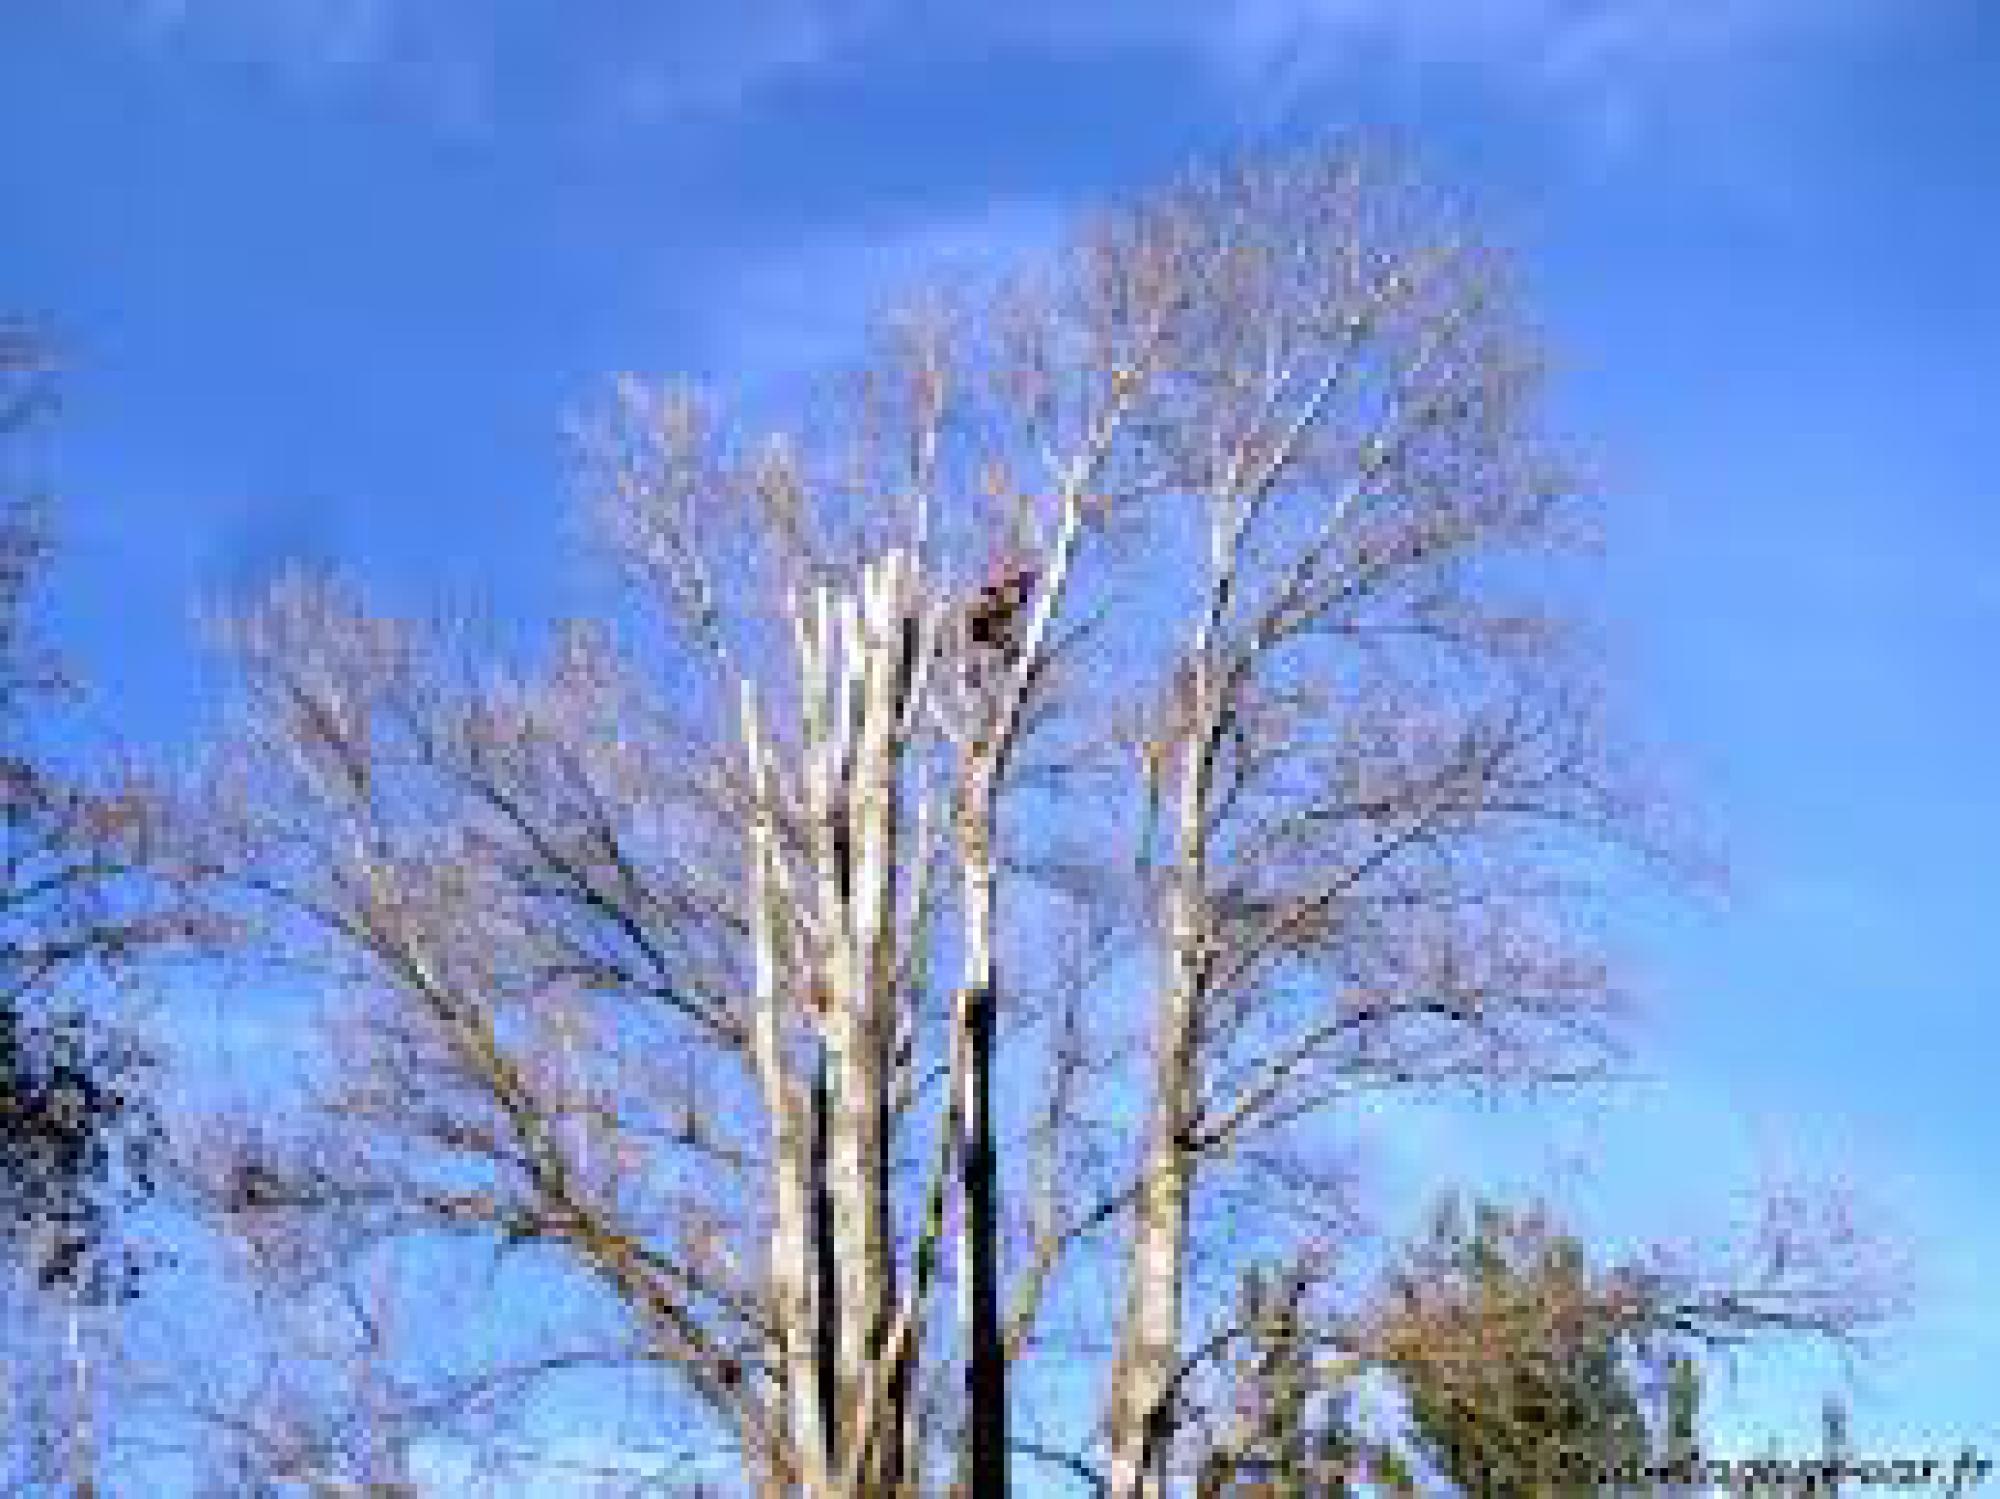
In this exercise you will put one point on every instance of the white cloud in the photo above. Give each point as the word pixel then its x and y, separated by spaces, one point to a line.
pixel 1609 75
pixel 1613 68
pixel 431 59
pixel 691 64
pixel 1610 70
pixel 306 37
pixel 798 309
pixel 660 65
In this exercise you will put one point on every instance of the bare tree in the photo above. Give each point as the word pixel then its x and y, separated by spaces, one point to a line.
pixel 1134 713
pixel 79 906
pixel 362 1362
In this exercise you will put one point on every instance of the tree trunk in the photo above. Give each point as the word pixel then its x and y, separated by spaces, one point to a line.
pixel 834 1261
pixel 795 1263
pixel 83 1437
pixel 979 1226
pixel 1149 1353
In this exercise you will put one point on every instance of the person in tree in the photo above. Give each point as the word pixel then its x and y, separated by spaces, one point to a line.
pixel 994 618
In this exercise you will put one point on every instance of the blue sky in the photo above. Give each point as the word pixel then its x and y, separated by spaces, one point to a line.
pixel 331 273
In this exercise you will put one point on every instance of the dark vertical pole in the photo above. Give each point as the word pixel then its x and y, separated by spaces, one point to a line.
pixel 986 1358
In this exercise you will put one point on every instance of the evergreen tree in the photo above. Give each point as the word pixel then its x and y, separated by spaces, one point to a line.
pixel 1294 1434
pixel 1835 1451
pixel 1680 1439
pixel 1525 1370
pixel 1523 1367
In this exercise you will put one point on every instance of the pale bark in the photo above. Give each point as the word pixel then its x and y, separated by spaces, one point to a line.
pixel 83 1430
pixel 828 973
pixel 795 1282
pixel 1152 1338
pixel 986 747
pixel 1381 802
